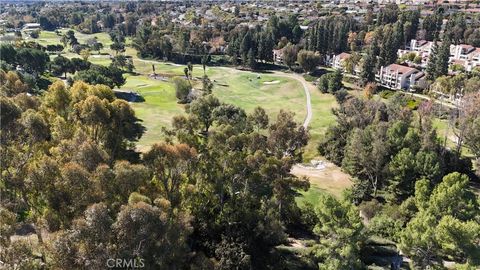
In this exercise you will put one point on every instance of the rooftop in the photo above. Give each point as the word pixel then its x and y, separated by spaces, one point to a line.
pixel 343 55
pixel 32 25
pixel 400 69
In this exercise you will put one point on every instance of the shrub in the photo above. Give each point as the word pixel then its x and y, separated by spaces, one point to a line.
pixel 370 208
pixel 413 103
pixel 384 226
pixel 341 96
pixel 308 60
pixel 35 34
pixel 323 83
pixel 309 78
pixel 182 89
pixel 386 94
pixel 136 197
pixel 330 82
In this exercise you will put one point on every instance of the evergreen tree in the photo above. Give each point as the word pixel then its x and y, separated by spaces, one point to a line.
pixel 340 232
pixel 245 47
pixel 441 61
pixel 368 66
pixel 265 46
pixel 251 62
pixel 433 24
pixel 431 69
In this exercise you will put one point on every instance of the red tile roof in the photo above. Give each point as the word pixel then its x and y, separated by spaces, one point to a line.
pixel 465 46
pixel 421 42
pixel 400 68
pixel 343 55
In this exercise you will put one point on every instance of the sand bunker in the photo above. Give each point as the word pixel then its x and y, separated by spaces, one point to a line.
pixel 272 82
pixel 314 165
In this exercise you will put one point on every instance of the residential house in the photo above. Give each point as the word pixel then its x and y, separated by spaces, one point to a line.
pixel 419 45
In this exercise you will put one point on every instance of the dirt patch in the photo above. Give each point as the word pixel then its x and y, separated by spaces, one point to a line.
pixel 161 77
pixel 296 243
pixel 324 175
pixel 100 56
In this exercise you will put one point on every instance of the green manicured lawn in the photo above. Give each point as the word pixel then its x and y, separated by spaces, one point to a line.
pixel 143 66
pixel 323 117
pixel 45 38
pixel 442 127
pixel 239 87
pixel 157 110
pixel 103 61
pixel 242 88
pixel 310 196
pixel 249 90
pixel 50 37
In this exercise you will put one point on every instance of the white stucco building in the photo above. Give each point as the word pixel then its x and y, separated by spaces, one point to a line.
pixel 396 76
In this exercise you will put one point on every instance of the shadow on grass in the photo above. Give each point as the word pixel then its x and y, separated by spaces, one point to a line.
pixel 129 96
pixel 320 72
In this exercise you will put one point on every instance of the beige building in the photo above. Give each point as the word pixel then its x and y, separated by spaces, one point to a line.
pixel 462 54
pixel 396 76
pixel 338 61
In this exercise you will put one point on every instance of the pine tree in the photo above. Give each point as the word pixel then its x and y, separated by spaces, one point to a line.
pixel 265 46
pixel 251 59
pixel 432 62
pixel 312 39
pixel 245 46
pixel 368 67
pixel 441 61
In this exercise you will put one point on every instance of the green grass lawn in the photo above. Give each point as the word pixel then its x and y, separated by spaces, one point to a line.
pixel 158 109
pixel 242 88
pixel 50 37
pixel 249 90
pixel 246 90
pixel 323 117
pixel 239 87
pixel 143 66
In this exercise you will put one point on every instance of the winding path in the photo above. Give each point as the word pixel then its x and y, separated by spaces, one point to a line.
pixel 306 87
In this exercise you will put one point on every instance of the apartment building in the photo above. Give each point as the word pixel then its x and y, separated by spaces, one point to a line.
pixel 278 56
pixel 396 76
pixel 462 54
pixel 338 60
pixel 393 76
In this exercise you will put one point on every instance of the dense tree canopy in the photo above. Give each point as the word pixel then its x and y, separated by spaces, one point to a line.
pixel 189 194
pixel 217 190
